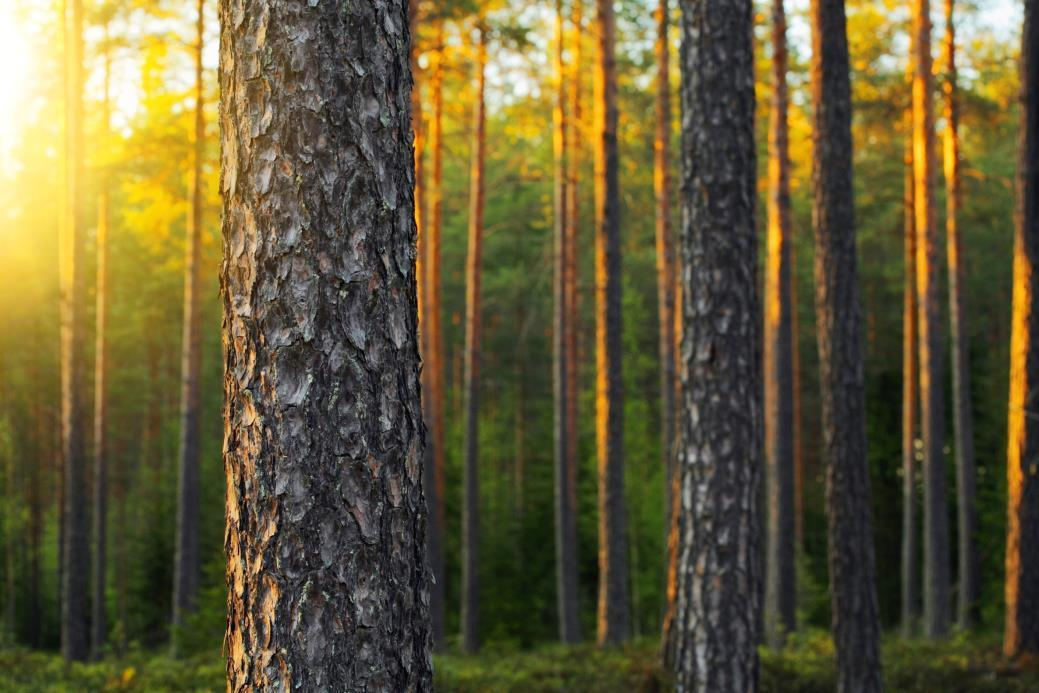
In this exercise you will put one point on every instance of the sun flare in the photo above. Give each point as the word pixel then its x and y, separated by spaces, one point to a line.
pixel 15 57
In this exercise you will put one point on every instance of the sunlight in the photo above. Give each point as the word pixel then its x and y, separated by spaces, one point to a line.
pixel 15 57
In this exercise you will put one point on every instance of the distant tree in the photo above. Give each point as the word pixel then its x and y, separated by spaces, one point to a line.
pixel 853 598
pixel 1021 633
pixel 717 610
pixel 325 540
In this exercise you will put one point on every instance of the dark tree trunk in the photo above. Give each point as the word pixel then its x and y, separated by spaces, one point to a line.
pixel 910 403
pixel 187 566
pixel 780 586
pixel 75 635
pixel 717 610
pixel 565 515
pixel 576 138
pixel 473 327
pixel 928 289
pixel 614 604
pixel 1021 633
pixel 325 541
pixel 853 599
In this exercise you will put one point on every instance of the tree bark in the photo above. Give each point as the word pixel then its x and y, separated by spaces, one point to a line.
pixel 323 441
pixel 473 329
pixel 565 517
pixel 1021 591
pixel 614 605
pixel 936 523
pixel 187 561
pixel 853 599
pixel 75 636
pixel 910 403
pixel 969 591
pixel 780 591
pixel 716 624
pixel 575 135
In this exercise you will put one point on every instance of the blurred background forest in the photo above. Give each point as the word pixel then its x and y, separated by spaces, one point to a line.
pixel 143 54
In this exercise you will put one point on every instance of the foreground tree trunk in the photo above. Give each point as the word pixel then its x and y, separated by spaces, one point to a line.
pixel 1021 633
pixel 969 591
pixel 187 565
pixel 910 403
pixel 614 605
pixel 936 523
pixel 716 622
pixel 780 586
pixel 565 515
pixel 473 329
pixel 323 438
pixel 75 559
pixel 853 599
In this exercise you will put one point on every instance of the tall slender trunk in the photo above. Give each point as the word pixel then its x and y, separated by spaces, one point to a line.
pixel 473 323
pixel 75 636
pixel 575 135
pixel 42 454
pixel 795 384
pixel 910 401
pixel 963 421
pixel 323 429
pixel 853 598
pixel 434 396
pixel 99 602
pixel 1021 633
pixel 186 566
pixel 565 516
pixel 780 589
pixel 716 629
pixel 614 608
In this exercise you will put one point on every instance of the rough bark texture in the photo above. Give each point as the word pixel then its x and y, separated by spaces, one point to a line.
pixel 614 605
pixel 1021 632
pixel 187 564
pixel 323 442
pixel 433 398
pixel 969 592
pixel 75 559
pixel 717 611
pixel 565 516
pixel 853 599
pixel 780 585
pixel 473 328
pixel 910 403
pixel 928 289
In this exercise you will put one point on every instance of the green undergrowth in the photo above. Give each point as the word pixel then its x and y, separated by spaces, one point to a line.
pixel 806 666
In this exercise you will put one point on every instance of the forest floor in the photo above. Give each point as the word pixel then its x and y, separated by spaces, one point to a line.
pixel 806 666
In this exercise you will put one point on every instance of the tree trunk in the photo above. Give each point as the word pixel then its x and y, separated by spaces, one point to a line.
pixel 434 398
pixel 780 590
pixel 716 623
pixel 969 592
pixel 936 523
pixel 99 602
pixel 473 323
pixel 75 636
pixel 910 403
pixel 853 599
pixel 576 137
pixel 1021 590
pixel 565 517
pixel 187 562
pixel 795 380
pixel 323 443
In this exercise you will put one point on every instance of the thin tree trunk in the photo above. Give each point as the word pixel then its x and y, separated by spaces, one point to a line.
pixel 969 591
pixel 795 358
pixel 910 403
pixel 853 599
pixel 1021 633
pixel 575 135
pixel 716 626
pixel 565 518
pixel 936 523
pixel 780 590
pixel 474 258
pixel 75 636
pixel 99 602
pixel 187 561
pixel 328 587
